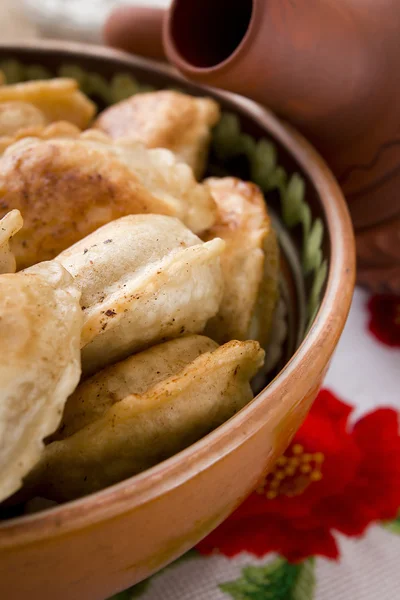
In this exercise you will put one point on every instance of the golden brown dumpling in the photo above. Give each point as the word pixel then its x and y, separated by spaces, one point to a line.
pixel 250 262
pixel 9 226
pixel 57 100
pixel 168 180
pixel 69 185
pixel 143 429
pixel 17 116
pixel 165 119
pixel 40 329
pixel 134 375
pixel 143 278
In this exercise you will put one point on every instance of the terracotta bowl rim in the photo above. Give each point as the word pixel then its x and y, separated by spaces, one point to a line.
pixel 315 350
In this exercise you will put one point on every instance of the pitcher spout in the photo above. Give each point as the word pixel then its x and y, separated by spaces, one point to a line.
pixel 304 59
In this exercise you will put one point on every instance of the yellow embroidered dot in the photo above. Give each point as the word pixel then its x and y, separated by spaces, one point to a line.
pixel 292 474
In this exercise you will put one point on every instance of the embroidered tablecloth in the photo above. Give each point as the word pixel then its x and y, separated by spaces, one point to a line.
pixel 323 525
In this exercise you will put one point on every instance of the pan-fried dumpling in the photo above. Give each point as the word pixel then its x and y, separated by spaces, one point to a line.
pixel 9 225
pixel 40 328
pixel 170 181
pixel 143 429
pixel 134 375
pixel 66 188
pixel 57 99
pixel 17 116
pixel 165 119
pixel 250 262
pixel 143 278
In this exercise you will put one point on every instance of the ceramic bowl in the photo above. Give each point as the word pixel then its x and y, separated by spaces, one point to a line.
pixel 94 547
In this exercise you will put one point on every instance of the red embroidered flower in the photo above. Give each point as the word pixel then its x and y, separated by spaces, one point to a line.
pixel 332 477
pixel 384 321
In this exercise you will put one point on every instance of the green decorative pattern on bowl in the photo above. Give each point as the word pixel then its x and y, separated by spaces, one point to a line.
pixel 229 142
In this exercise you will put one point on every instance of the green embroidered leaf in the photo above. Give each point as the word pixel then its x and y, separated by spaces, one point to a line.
pixel 225 136
pixel 306 219
pixel 37 72
pixel 304 586
pixel 393 526
pixel 278 580
pixel 278 179
pixel 292 201
pixel 315 292
pixel 74 72
pixel 123 86
pixel 133 592
pixel 137 590
pixel 97 85
pixel 246 145
pixel 229 141
pixel 13 71
pixel 263 164
pixel 312 254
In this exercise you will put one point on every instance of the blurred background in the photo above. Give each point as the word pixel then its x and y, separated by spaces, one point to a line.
pixel 79 20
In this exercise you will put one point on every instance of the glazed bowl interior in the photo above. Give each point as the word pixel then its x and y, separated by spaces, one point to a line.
pixel 317 267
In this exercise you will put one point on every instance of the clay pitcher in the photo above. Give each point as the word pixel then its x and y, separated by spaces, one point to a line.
pixel 330 67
